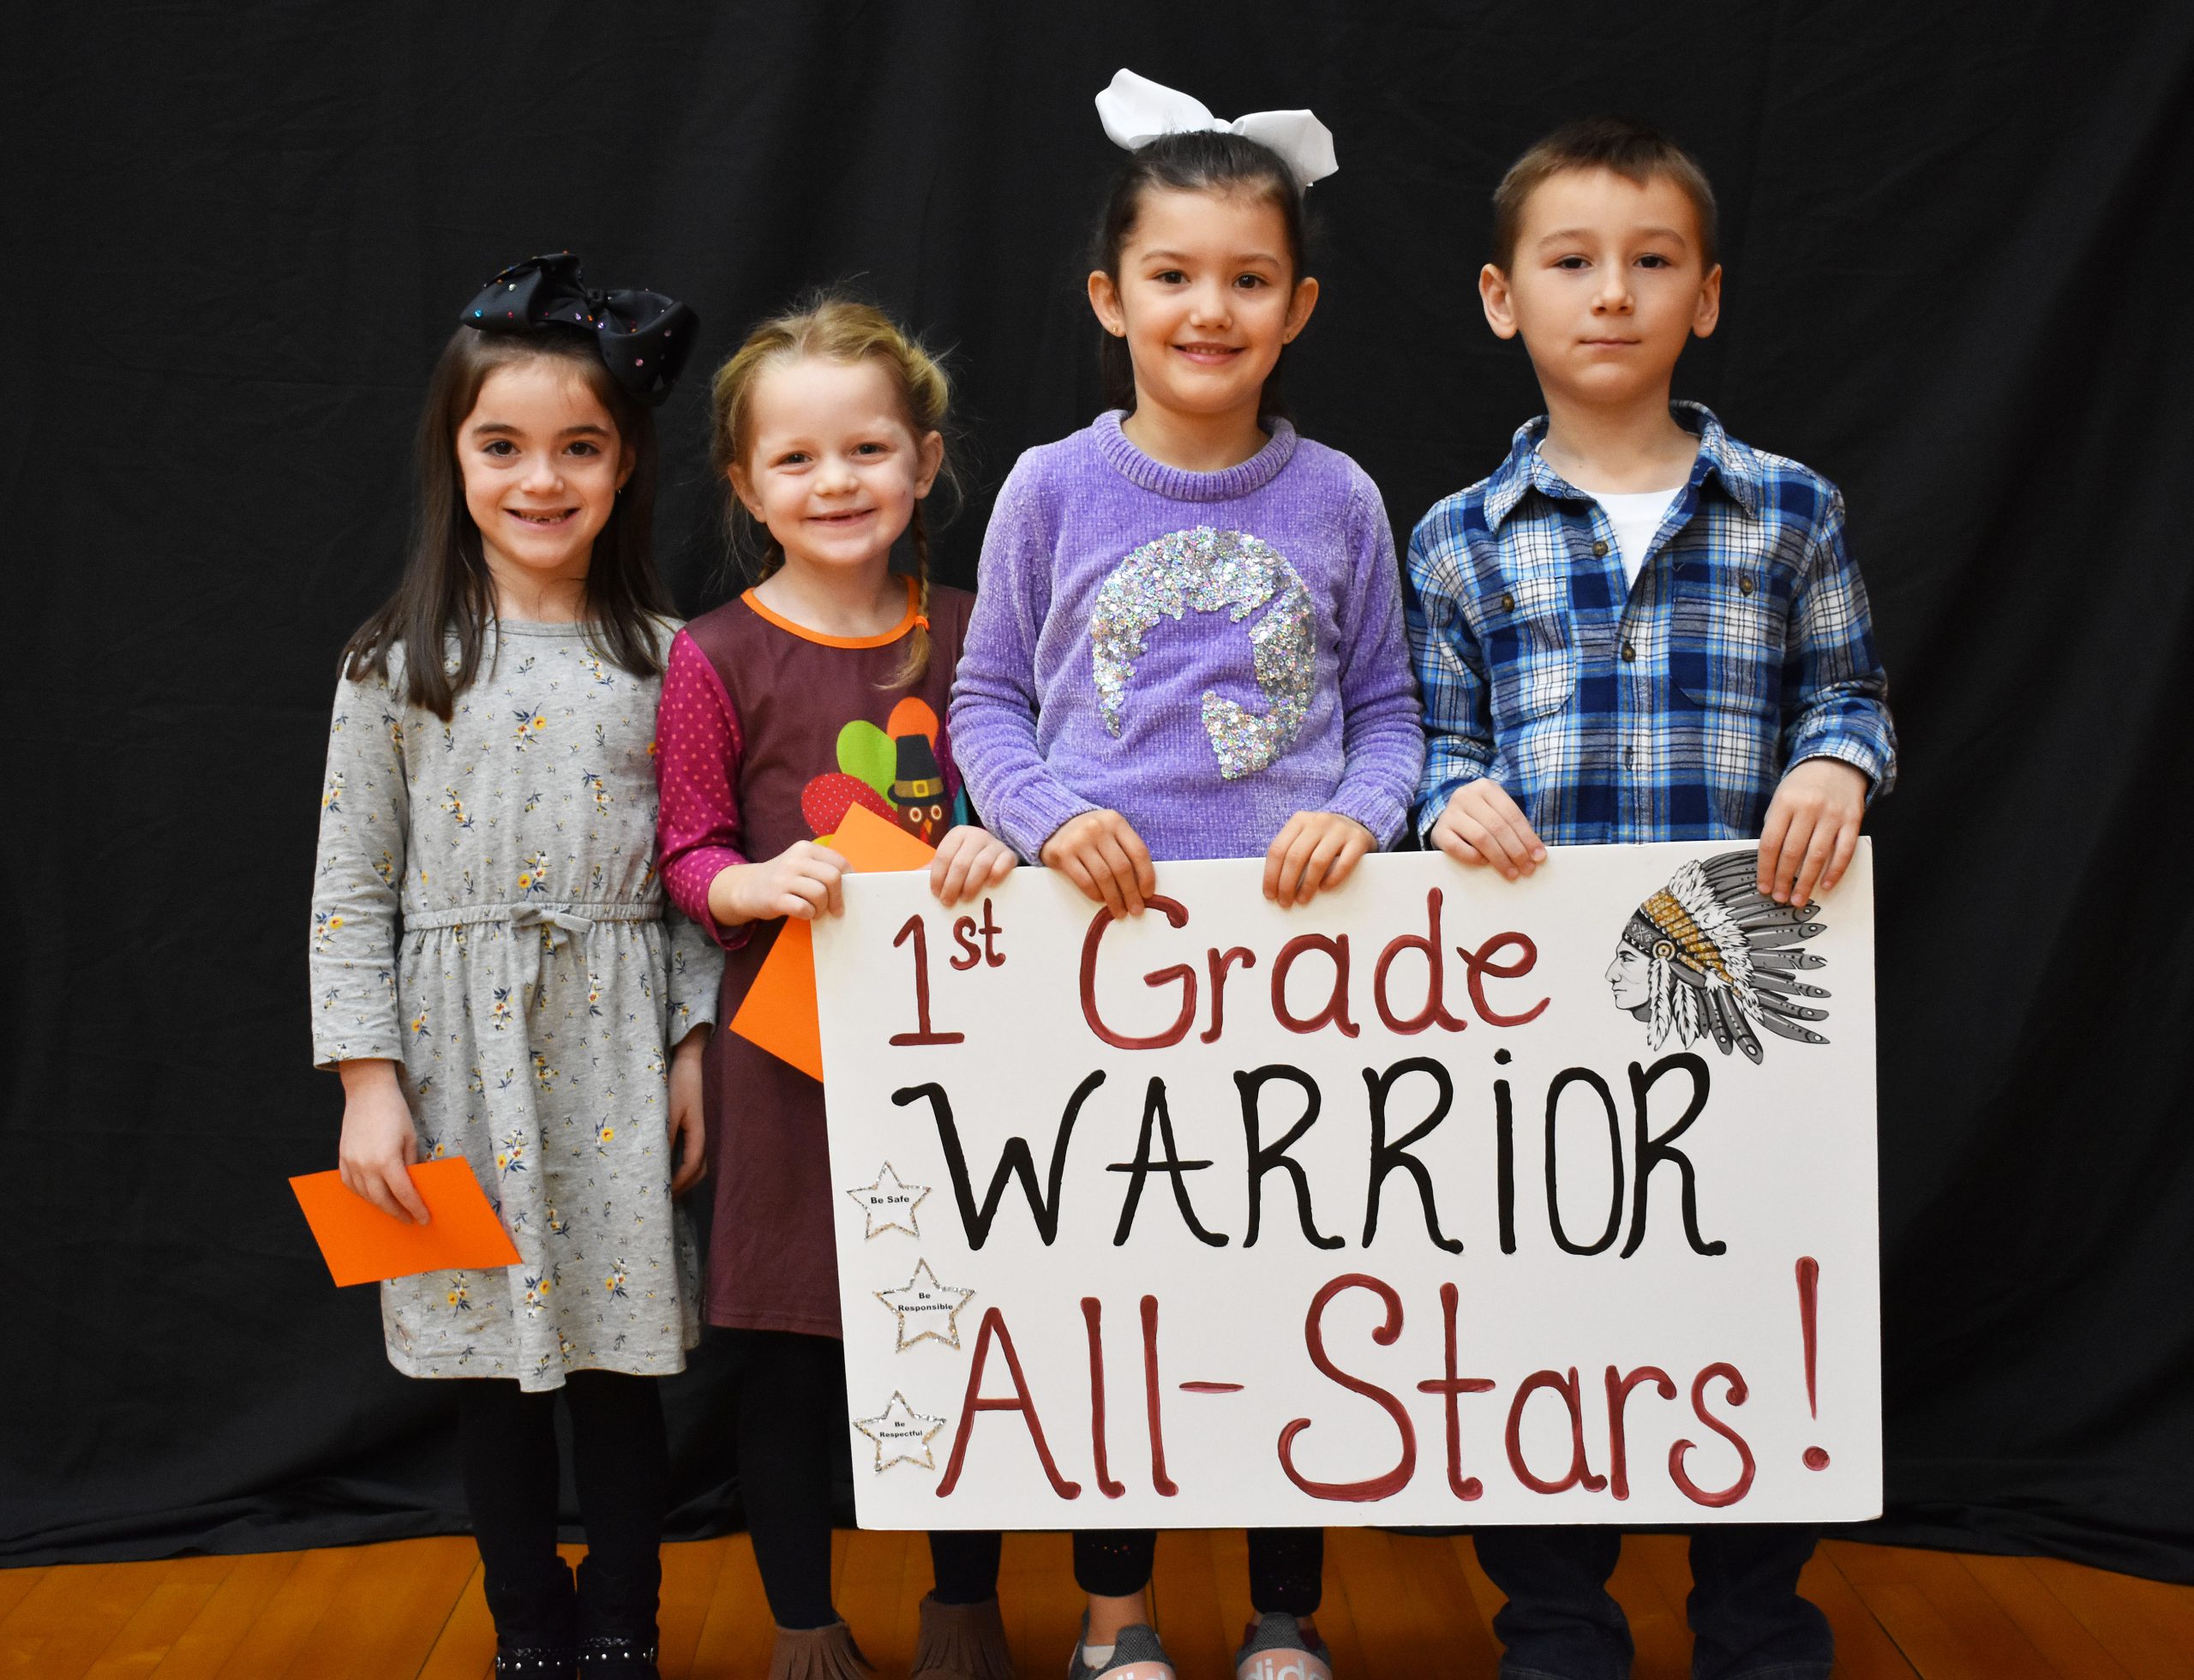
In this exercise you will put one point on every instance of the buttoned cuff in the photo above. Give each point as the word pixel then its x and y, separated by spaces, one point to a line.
pixel 1844 750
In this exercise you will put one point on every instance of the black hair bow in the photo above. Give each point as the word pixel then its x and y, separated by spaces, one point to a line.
pixel 643 337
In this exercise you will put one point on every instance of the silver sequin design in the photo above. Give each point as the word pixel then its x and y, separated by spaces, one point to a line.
pixel 1209 570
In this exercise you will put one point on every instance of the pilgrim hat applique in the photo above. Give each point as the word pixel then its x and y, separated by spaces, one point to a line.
pixel 919 789
pixel 892 771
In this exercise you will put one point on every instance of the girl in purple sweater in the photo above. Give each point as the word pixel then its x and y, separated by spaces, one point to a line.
pixel 1187 639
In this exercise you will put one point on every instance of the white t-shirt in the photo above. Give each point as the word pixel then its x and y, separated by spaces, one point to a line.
pixel 1635 517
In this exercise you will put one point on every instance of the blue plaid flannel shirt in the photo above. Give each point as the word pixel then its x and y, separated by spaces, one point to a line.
pixel 1668 711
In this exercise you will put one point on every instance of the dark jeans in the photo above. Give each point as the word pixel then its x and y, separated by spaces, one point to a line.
pixel 1748 1622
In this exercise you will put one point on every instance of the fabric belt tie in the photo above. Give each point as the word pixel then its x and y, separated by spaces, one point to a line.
pixel 553 923
pixel 556 922
pixel 573 918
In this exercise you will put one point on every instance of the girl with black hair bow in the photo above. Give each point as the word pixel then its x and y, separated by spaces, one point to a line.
pixel 494 971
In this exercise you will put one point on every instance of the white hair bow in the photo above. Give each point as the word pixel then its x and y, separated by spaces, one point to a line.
pixel 1137 110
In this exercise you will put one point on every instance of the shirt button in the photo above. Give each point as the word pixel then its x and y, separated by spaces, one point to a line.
pixel 1744 584
pixel 1629 757
pixel 1599 550
pixel 1628 652
pixel 1508 603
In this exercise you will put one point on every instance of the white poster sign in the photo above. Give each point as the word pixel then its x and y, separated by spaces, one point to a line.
pixel 1442 1200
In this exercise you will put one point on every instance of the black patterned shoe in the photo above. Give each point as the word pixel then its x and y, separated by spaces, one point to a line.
pixel 609 1658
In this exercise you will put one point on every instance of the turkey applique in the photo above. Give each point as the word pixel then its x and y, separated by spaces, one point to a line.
pixel 892 771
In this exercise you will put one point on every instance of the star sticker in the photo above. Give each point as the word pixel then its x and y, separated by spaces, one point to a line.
pixel 931 1307
pixel 890 1204
pixel 903 1432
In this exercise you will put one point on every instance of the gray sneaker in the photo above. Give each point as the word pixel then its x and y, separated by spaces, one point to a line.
pixel 1280 1648
pixel 1136 1655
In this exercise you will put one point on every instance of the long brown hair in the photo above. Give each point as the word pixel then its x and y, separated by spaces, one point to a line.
pixel 445 589
pixel 838 329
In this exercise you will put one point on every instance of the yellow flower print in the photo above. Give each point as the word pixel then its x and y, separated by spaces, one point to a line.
pixel 341 718
pixel 419 1024
pixel 593 784
pixel 385 867
pixel 537 1294
pixel 557 1227
pixel 599 673
pixel 594 995
pixel 533 875
pixel 531 720
pixel 542 1072
pixel 511 1158
pixel 331 798
pixel 395 726
pixel 500 1015
pixel 455 808
pixel 325 924
pixel 474 1084
pixel 459 1296
pixel 614 1283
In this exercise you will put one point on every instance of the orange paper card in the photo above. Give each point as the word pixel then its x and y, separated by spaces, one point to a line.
pixel 363 1244
pixel 778 1012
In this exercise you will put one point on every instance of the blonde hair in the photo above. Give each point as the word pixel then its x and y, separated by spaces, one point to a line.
pixel 837 329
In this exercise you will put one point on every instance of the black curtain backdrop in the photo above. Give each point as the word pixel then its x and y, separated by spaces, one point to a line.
pixel 1960 283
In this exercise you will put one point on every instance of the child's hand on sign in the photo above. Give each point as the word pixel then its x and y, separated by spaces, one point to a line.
pixel 1483 824
pixel 968 861
pixel 1317 849
pixel 688 1139
pixel 1811 829
pixel 1100 853
pixel 803 881
pixel 379 1142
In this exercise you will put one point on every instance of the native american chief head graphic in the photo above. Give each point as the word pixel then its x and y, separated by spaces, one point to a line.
pixel 1710 955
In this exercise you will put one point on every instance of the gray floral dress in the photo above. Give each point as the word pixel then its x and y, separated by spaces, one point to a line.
pixel 487 915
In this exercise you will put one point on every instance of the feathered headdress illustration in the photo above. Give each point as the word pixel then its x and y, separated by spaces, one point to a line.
pixel 1722 956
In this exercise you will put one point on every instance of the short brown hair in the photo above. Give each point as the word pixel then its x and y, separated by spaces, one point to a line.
pixel 1632 150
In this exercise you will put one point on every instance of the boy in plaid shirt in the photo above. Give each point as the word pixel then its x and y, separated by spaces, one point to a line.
pixel 1639 629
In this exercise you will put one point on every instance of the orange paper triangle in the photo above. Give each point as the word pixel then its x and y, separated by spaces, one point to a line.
pixel 363 1244
pixel 778 1012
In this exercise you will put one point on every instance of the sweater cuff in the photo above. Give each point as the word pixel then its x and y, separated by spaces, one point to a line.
pixel 1041 810
pixel 1377 809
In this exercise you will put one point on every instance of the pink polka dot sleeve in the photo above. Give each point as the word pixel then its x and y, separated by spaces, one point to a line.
pixel 697 752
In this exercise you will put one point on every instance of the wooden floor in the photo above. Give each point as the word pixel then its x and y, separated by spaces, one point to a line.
pixel 414 1608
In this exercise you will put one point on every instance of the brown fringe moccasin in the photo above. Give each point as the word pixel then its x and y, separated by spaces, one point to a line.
pixel 961 1642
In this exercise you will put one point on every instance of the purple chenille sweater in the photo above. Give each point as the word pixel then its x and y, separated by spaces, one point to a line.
pixel 1206 653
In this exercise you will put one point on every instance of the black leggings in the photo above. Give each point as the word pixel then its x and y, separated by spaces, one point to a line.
pixel 1286 1565
pixel 789 1433
pixel 506 1443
